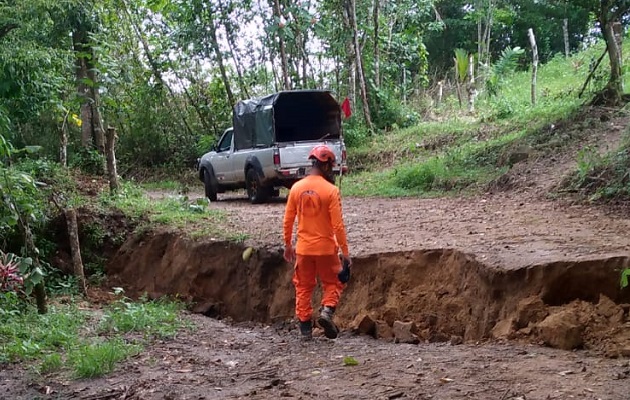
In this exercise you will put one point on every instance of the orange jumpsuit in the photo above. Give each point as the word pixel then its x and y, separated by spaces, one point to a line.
pixel 317 205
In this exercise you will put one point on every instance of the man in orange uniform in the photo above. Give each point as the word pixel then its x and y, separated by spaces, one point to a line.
pixel 316 202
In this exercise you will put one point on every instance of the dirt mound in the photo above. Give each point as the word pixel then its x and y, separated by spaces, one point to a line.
pixel 447 294
pixel 101 234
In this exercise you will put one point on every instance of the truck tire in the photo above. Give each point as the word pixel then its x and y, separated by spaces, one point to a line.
pixel 256 192
pixel 210 184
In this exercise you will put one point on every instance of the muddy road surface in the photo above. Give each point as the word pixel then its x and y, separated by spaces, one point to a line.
pixel 218 361
pixel 503 230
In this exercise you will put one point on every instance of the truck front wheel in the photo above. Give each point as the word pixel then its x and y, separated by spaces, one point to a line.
pixel 210 185
pixel 256 192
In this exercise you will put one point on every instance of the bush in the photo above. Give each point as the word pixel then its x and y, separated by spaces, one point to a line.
pixel 421 176
pixel 89 161
pixel 388 112
pixel 356 135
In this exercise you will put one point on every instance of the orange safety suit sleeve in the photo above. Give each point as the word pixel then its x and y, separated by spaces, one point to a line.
pixel 336 219
pixel 289 219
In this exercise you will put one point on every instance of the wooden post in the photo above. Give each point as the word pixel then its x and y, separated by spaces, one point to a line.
pixel 471 83
pixel 440 93
pixel 565 30
pixel 110 154
pixel 73 235
pixel 532 41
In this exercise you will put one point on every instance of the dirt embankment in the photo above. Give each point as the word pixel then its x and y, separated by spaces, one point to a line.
pixel 447 294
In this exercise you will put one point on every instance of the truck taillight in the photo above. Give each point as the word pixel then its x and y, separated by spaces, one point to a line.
pixel 276 158
pixel 343 154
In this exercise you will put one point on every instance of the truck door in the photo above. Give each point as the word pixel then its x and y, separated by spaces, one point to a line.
pixel 222 162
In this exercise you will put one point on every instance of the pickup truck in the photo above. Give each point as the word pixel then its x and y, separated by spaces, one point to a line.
pixel 267 148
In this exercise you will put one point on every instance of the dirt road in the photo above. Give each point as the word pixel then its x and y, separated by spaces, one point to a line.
pixel 507 231
pixel 218 361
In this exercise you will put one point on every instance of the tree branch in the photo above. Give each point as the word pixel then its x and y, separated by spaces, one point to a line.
pixel 5 29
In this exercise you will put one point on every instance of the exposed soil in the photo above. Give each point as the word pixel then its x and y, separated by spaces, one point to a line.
pixel 446 293
pixel 248 361
pixel 512 269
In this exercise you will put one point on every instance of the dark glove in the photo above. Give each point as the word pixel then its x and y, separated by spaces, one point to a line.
pixel 344 275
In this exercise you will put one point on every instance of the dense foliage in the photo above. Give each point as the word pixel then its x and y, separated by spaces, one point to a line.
pixel 166 73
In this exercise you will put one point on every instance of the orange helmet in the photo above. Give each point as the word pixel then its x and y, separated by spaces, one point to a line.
pixel 322 153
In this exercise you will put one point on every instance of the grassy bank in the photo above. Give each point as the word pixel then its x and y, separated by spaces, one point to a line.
pixel 460 151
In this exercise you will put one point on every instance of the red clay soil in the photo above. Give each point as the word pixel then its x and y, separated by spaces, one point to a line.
pixel 445 293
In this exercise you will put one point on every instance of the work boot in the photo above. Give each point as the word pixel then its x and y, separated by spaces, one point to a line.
pixel 306 330
pixel 325 320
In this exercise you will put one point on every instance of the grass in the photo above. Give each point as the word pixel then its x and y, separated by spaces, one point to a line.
pixel 461 152
pixel 602 176
pixel 62 340
pixel 98 359
pixel 195 217
pixel 153 319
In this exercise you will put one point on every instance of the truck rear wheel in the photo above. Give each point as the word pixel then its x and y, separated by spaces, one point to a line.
pixel 210 184
pixel 256 192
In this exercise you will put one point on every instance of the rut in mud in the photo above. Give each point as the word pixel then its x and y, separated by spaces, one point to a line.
pixel 447 294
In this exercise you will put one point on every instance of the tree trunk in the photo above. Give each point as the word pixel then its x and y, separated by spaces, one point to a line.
pixel 40 298
pixel 377 74
pixel 357 50
pixel 565 31
pixel 489 23
pixel 351 67
pixel 87 85
pixel 155 68
pixel 614 89
pixel 219 56
pixel 73 235
pixel 404 85
pixel 79 40
pixel 532 42
pixel 193 103
pixel 63 141
pixel 618 31
pixel 233 52
pixel 98 134
pixel 110 154
pixel 283 54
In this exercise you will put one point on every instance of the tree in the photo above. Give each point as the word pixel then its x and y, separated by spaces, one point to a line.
pixel 609 14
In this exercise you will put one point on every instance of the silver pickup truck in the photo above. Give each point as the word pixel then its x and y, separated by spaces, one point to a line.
pixel 267 148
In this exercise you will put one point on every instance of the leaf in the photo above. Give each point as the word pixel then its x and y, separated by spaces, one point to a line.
pixel 33 149
pixel 350 361
pixel 625 274
pixel 461 63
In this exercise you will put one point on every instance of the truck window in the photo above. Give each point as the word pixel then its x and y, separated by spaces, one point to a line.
pixel 226 142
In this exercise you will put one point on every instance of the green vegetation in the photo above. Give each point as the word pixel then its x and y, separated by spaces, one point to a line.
pixel 61 338
pixel 173 211
pixel 156 72
pixel 157 319
pixel 97 359
pixel 462 152
pixel 603 176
